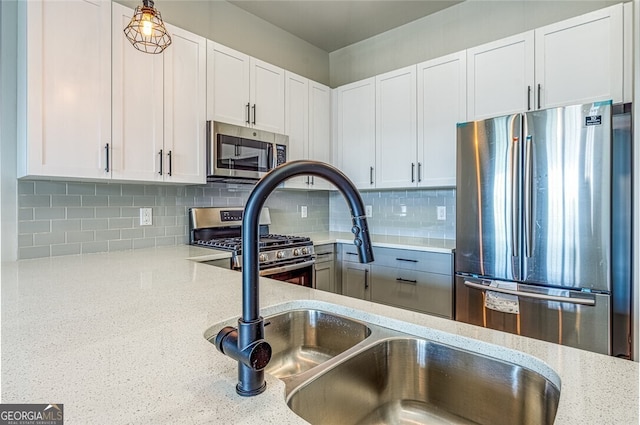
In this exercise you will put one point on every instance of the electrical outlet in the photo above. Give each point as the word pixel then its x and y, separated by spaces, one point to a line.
pixel 442 213
pixel 146 217
pixel 303 211
pixel 368 210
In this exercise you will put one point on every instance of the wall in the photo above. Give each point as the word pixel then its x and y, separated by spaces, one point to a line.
pixel 456 28
pixel 8 129
pixel 227 24
pixel 63 218
pixel 400 213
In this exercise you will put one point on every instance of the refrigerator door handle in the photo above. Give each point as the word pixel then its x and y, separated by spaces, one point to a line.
pixel 543 297
pixel 528 170
pixel 515 243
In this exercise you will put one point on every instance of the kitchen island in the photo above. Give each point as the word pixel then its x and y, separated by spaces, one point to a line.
pixel 118 338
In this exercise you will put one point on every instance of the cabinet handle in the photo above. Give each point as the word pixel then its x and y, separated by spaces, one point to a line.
pixel 409 281
pixel 528 98
pixel 170 164
pixel 370 175
pixel 313 181
pixel 366 279
pixel 419 172
pixel 106 148
pixel 351 253
pixel 539 92
pixel 407 260
pixel 323 253
pixel 413 172
pixel 248 114
pixel 254 114
pixel 161 160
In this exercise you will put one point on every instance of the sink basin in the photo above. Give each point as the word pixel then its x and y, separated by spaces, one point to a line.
pixel 411 380
pixel 303 339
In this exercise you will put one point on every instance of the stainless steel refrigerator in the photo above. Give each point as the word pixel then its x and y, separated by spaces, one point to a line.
pixel 543 225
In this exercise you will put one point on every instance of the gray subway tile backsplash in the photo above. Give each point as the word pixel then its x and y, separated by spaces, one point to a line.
pixel 58 218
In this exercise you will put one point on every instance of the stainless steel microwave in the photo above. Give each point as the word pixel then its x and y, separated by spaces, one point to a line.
pixel 241 153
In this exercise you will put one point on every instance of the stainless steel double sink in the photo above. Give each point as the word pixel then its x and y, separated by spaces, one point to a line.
pixel 338 370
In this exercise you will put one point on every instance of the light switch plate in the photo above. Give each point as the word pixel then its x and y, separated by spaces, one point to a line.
pixel 303 211
pixel 442 213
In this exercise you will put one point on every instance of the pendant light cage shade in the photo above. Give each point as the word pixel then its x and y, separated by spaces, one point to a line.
pixel 146 31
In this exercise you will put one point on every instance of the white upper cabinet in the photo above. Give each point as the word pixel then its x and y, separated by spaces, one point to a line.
pixel 308 125
pixel 579 60
pixel 297 123
pixel 320 128
pixel 355 131
pixel 159 107
pixel 396 164
pixel 138 120
pixel 500 77
pixel 243 90
pixel 228 84
pixel 441 105
pixel 185 102
pixel 65 79
pixel 267 96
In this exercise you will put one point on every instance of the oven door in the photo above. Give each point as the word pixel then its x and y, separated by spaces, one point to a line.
pixel 297 273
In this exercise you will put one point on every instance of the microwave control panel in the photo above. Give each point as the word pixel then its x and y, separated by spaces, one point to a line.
pixel 281 154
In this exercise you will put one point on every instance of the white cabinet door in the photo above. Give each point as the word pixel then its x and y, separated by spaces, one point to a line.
pixel 320 128
pixel 159 107
pixel 442 103
pixel 67 79
pixel 579 60
pixel 297 123
pixel 355 131
pixel 267 96
pixel 229 85
pixel 396 128
pixel 184 107
pixel 138 106
pixel 500 78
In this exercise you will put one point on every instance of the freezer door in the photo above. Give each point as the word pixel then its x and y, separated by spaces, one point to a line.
pixel 561 316
pixel 487 197
pixel 567 197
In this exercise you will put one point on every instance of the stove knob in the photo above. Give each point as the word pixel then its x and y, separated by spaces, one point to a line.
pixel 305 251
pixel 262 258
pixel 296 252
pixel 280 254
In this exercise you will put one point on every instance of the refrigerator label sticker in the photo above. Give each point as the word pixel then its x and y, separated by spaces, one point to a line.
pixel 593 120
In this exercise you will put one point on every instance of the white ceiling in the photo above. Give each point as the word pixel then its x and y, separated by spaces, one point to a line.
pixel 333 24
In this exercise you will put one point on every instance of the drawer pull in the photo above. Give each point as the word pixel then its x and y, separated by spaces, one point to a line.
pixel 409 281
pixel 407 260
pixel 352 253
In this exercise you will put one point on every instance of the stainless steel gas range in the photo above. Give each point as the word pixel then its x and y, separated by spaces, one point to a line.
pixel 282 257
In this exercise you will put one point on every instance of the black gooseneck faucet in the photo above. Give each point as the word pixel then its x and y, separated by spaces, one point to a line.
pixel 246 344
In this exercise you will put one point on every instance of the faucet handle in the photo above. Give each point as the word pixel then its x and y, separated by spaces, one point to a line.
pixel 362 239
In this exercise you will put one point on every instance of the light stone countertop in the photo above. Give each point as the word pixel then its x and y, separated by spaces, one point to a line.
pixel 445 246
pixel 118 338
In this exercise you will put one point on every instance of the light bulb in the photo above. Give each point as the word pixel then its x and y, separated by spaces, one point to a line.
pixel 147 25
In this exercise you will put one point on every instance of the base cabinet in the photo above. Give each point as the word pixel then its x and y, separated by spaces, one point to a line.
pixel 414 280
pixel 325 268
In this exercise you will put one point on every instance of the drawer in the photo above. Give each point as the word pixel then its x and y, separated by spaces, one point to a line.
pixel 414 290
pixel 350 254
pixel 432 262
pixel 324 252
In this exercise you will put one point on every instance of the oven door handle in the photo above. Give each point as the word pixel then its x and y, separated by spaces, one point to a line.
pixel 287 268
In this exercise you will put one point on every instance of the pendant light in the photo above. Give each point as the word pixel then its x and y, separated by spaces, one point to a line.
pixel 146 30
